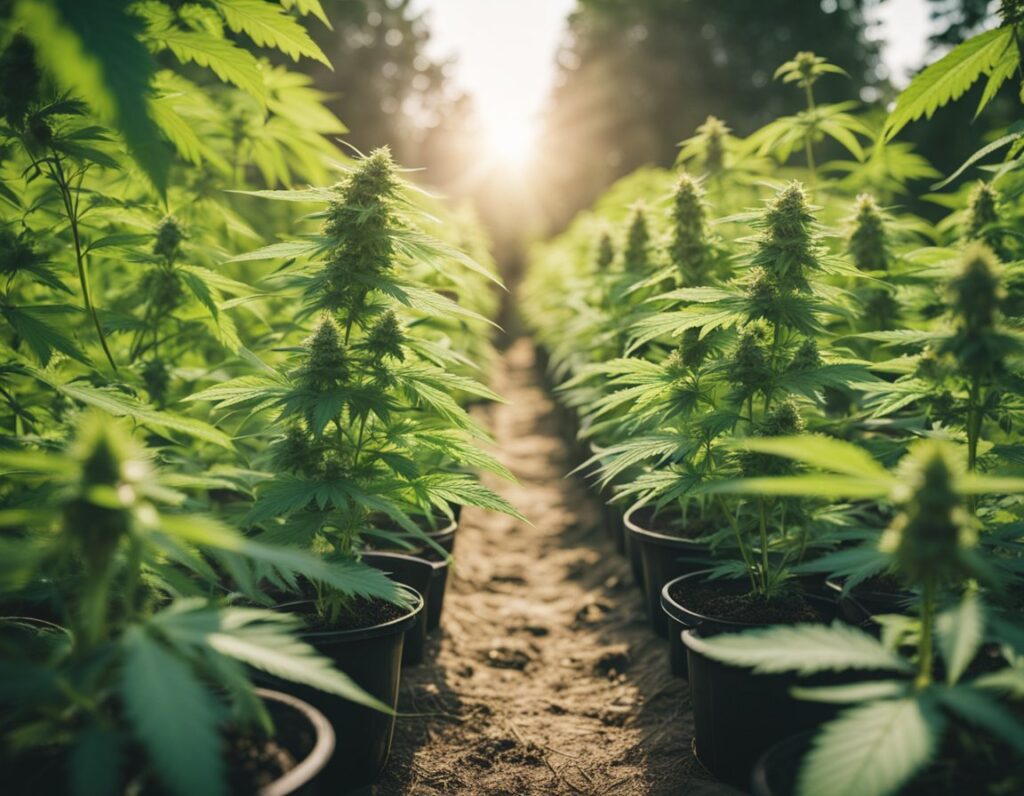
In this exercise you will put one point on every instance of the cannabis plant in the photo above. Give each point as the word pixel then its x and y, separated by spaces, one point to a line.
pixel 364 409
pixel 938 694
pixel 962 376
pixel 804 130
pixel 138 647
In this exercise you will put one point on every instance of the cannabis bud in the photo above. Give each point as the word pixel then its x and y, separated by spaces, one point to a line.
pixel 783 421
pixel 714 131
pixel 360 220
pixel 386 338
pixel 806 357
pixel 786 246
pixel 932 529
pixel 327 361
pixel 977 293
pixel 98 516
pixel 635 254
pixel 19 75
pixel 162 287
pixel 169 236
pixel 983 216
pixel 157 379
pixel 605 253
pixel 761 294
pixel 749 366
pixel 867 242
pixel 294 452
pixel 689 232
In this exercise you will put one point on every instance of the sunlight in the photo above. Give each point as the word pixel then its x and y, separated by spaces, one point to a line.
pixel 511 141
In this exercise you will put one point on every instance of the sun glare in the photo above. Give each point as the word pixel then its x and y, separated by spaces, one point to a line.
pixel 511 141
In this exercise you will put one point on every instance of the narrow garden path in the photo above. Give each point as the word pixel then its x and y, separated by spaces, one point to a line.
pixel 546 678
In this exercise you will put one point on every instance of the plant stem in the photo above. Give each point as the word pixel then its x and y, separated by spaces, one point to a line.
pixel 57 171
pixel 747 559
pixel 924 661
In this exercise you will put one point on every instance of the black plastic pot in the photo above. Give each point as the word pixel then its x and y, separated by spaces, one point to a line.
pixel 313 748
pixel 420 574
pixel 678 621
pixel 445 536
pixel 662 558
pixel 775 773
pixel 737 714
pixel 372 657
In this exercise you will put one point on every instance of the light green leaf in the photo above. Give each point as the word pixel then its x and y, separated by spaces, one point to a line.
pixel 948 78
pixel 230 63
pixel 872 750
pixel 812 485
pixel 854 692
pixel 269 26
pixel 961 630
pixel 805 649
pixel 830 454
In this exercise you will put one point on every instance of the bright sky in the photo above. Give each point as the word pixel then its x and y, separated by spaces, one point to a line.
pixel 506 51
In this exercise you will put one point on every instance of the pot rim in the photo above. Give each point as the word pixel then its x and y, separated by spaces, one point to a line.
pixel 837 585
pixel 318 756
pixel 654 537
pixel 436 566
pixel 683 612
pixel 396 625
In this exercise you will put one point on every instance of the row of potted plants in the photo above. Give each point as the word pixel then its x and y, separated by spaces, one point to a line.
pixel 806 415
pixel 232 473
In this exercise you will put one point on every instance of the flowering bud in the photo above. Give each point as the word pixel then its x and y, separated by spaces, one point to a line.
pixel 327 363
pixel 749 365
pixel 983 216
pixel 806 358
pixel 386 338
pixel 786 247
pixel 867 242
pixel 157 379
pixel 932 527
pixel 783 421
pixel 635 254
pixel 169 236
pixel 714 131
pixel 689 232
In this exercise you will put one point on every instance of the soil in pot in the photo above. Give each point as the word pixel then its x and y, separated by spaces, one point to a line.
pixel 739 714
pixel 667 549
pixel 367 645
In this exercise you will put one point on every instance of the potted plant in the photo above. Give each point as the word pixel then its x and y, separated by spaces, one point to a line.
pixel 931 702
pixel 142 676
pixel 367 433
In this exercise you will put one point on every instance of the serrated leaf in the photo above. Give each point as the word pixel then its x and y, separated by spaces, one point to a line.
pixel 948 78
pixel 805 649
pixel 269 26
pixel 230 63
pixel 960 630
pixel 981 710
pixel 172 715
pixel 826 453
pixel 872 750
pixel 102 63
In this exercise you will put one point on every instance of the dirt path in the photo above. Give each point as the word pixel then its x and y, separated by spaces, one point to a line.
pixel 546 679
